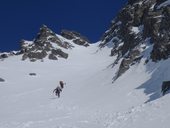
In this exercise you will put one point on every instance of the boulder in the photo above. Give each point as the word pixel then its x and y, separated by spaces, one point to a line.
pixel 3 56
pixel 52 57
pixel 81 42
pixel 165 87
pixel 60 53
pixel 32 74
pixel 132 58
pixel 67 34
pixel 37 55
pixel 76 37
pixel 2 80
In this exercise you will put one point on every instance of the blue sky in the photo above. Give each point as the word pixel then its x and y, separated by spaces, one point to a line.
pixel 21 19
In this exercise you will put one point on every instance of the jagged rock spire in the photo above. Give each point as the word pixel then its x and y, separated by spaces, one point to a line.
pixel 42 46
pixel 46 35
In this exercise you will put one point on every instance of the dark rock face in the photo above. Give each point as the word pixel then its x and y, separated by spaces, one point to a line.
pixel 46 35
pixel 132 1
pixel 60 53
pixel 76 37
pixel 132 58
pixel 2 80
pixel 49 45
pixel 6 55
pixel 43 46
pixel 81 42
pixel 52 57
pixel 165 87
pixel 140 22
pixel 32 74
pixel 3 56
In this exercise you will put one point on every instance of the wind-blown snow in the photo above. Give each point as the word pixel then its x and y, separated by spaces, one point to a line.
pixel 89 99
pixel 137 30
pixel 164 4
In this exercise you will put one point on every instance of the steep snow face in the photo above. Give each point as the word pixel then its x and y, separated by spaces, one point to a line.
pixel 89 98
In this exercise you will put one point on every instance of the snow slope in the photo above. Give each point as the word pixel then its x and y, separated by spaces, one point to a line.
pixel 89 99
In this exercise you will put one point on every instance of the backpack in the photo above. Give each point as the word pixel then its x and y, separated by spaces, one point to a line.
pixel 61 84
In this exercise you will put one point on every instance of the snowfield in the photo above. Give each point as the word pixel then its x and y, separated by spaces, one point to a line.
pixel 89 98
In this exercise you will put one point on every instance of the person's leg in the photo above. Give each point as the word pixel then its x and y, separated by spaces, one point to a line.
pixel 56 93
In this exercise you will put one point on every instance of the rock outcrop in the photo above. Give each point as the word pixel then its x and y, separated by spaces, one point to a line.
pixel 5 55
pixel 32 74
pixel 76 37
pixel 2 80
pixel 165 87
pixel 46 44
pixel 49 45
pixel 139 24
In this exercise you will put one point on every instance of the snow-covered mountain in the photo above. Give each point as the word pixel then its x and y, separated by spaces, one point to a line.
pixel 48 44
pixel 140 25
pixel 102 91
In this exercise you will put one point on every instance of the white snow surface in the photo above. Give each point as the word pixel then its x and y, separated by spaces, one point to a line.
pixel 164 4
pixel 137 30
pixel 89 98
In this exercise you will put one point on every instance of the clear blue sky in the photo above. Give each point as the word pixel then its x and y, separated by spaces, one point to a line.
pixel 21 19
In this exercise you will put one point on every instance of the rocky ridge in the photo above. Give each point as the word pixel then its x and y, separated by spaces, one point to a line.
pixel 5 55
pixel 48 44
pixel 77 38
pixel 141 24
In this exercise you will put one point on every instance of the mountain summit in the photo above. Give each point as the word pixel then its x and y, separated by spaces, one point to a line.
pixel 49 44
